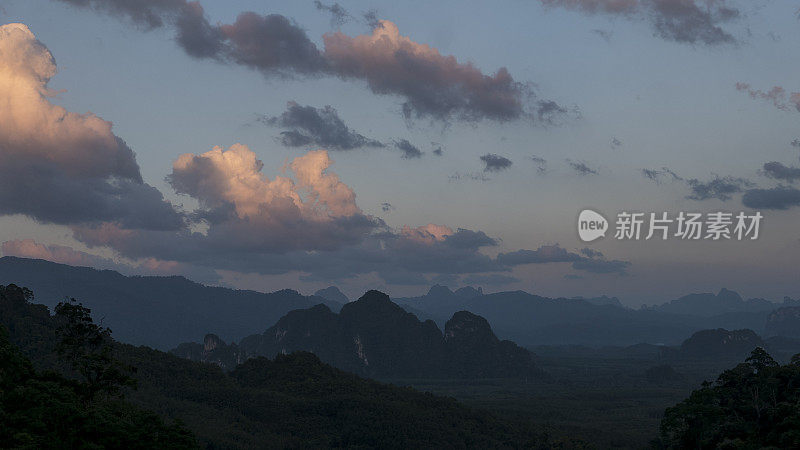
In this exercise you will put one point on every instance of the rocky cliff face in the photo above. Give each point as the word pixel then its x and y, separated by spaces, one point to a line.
pixel 377 338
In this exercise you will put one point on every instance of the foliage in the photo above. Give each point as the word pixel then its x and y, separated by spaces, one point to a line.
pixel 88 348
pixel 46 410
pixel 754 405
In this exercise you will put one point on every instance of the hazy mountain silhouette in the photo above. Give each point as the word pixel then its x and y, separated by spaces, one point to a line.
pixel 334 296
pixel 534 320
pixel 784 322
pixel 156 311
pixel 375 337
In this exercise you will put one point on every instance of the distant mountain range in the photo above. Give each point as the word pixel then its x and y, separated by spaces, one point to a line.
pixel 534 320
pixel 162 312
pixel 374 337
pixel 159 312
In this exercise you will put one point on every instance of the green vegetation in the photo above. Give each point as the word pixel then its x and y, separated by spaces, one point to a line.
pixel 48 410
pixel 295 401
pixel 754 405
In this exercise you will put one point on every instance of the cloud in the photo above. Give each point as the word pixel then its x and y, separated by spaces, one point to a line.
pixel 474 176
pixel 658 174
pixel 615 143
pixel 544 254
pixel 589 260
pixel 781 172
pixel 339 15
pixel 541 163
pixel 409 150
pixel 387 207
pixel 432 85
pixel 718 187
pixel 581 168
pixel 321 127
pixel 683 21
pixel 437 149
pixel 495 163
pixel 776 95
pixel 61 167
pixel 781 197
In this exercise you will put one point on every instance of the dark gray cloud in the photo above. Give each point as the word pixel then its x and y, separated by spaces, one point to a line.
pixel 781 197
pixel 307 125
pixel 432 85
pixel 544 254
pixel 437 149
pixel 541 163
pixel 339 15
pixel 572 276
pixel 718 187
pixel 473 176
pixel 781 172
pixel 387 207
pixel 588 261
pixel 683 21
pixel 658 175
pixel 687 21
pixel 495 163
pixel 581 168
pixel 409 150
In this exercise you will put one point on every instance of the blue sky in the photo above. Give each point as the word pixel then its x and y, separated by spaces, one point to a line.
pixel 669 104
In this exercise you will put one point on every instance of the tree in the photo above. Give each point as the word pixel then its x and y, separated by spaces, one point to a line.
pixel 756 404
pixel 89 350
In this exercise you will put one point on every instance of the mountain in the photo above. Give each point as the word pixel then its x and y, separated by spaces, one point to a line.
pixel 159 312
pixel 336 299
pixel 708 304
pixel 721 344
pixel 600 321
pixel 784 322
pixel 375 337
pixel 293 401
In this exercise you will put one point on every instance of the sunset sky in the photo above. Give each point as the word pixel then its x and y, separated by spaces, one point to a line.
pixel 394 145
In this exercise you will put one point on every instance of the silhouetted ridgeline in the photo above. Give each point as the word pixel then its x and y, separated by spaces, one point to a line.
pixel 164 311
pixel 295 401
pixel 374 337
pixel 159 312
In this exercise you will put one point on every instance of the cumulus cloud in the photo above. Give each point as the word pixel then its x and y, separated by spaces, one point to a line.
pixel 581 168
pixel 58 166
pixel 495 163
pixel 307 125
pixel 683 21
pixel 781 197
pixel 409 150
pixel 432 85
pixel 779 171
pixel 776 95
pixel 718 187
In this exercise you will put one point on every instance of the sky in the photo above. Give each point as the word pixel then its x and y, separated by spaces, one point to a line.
pixel 270 145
